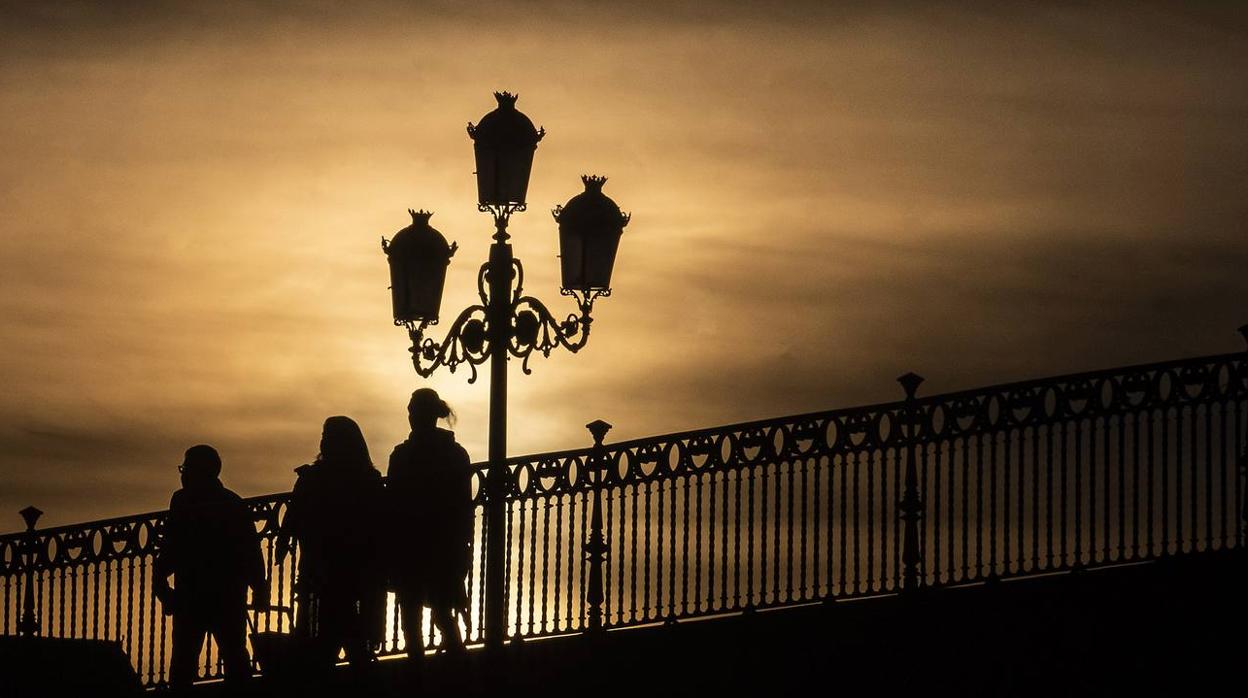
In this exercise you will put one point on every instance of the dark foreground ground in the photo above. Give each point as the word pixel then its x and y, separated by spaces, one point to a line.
pixel 1175 627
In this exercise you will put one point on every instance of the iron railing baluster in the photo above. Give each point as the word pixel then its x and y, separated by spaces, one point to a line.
pixel 777 494
pixel 802 592
pixel 872 458
pixel 1007 441
pixel 965 508
pixel 1179 472
pixel 816 518
pixel 749 540
pixel 546 507
pixel 697 544
pixel 1079 494
pixel 1193 469
pixel 856 491
pixel 632 585
pixel 645 551
pixel 1136 491
pixel 1224 413
pixel 936 499
pixel 993 512
pixel 532 587
pixel 1165 482
pixel 712 500
pixel 842 552
pixel 1126 488
pixel 671 568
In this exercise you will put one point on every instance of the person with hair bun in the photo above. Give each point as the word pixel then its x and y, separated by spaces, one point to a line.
pixel 429 489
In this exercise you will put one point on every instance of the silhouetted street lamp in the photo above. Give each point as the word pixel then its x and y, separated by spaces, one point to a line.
pixel 506 322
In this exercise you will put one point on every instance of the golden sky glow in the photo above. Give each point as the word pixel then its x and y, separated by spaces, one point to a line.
pixel 191 204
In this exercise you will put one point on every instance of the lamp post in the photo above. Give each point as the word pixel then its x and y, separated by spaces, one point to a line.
pixel 506 323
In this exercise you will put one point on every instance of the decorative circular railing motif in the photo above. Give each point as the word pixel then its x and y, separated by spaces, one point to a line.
pixel 1030 404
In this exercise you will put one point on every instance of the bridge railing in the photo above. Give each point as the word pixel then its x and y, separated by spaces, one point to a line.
pixel 1042 476
pixel 1033 477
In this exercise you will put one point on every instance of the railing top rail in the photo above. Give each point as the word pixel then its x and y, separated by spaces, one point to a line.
pixel 127 520
pixel 1084 376
pixel 881 406
pixel 758 424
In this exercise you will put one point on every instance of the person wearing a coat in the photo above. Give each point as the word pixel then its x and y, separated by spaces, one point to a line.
pixel 335 517
pixel 429 493
pixel 210 546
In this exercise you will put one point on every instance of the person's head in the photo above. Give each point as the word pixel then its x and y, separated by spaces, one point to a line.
pixel 426 408
pixel 342 443
pixel 201 465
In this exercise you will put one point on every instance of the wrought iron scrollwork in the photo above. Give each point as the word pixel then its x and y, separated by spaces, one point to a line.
pixel 530 327
pixel 467 342
pixel 500 211
pixel 535 328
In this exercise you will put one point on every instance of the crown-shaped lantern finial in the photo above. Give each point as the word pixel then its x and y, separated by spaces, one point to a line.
pixel 593 182
pixel 506 99
pixel 421 216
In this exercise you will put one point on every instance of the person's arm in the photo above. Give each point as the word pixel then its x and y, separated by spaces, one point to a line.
pixel 463 494
pixel 395 471
pixel 251 556
pixel 260 592
pixel 292 522
pixel 167 556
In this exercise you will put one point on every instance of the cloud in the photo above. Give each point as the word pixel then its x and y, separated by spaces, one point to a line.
pixel 822 198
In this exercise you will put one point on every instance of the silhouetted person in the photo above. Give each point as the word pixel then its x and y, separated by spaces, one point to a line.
pixel 335 514
pixel 429 487
pixel 211 548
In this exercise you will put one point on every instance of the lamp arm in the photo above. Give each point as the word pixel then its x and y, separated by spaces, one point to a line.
pixel 535 328
pixel 466 342
pixel 483 284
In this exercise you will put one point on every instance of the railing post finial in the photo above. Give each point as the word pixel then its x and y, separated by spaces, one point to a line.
pixel 911 503
pixel 596 545
pixel 910 382
pixel 598 429
pixel 29 623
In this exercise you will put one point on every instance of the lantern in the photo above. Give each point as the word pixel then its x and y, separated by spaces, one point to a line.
pixel 590 225
pixel 504 143
pixel 418 257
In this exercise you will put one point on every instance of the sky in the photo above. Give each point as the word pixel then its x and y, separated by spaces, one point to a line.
pixel 192 197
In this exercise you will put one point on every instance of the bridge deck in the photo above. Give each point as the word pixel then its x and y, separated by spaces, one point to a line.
pixel 1137 628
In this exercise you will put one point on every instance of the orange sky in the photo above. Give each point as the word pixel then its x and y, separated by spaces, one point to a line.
pixel 192 202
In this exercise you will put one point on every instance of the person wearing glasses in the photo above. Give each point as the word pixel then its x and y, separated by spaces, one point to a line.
pixel 210 547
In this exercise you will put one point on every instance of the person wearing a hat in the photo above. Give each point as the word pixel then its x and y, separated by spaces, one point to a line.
pixel 211 548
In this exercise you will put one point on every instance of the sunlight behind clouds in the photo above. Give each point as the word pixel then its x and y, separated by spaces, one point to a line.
pixel 193 205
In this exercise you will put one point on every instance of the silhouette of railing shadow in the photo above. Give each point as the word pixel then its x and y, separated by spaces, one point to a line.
pixel 1023 479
